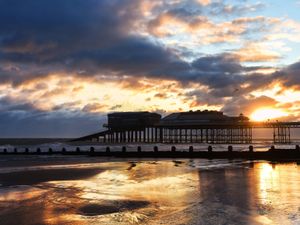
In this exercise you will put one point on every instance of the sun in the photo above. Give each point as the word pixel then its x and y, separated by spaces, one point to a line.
pixel 264 114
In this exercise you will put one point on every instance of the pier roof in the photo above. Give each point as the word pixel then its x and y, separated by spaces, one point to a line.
pixel 121 120
pixel 201 118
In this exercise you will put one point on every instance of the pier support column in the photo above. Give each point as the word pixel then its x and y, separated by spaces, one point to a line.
pixel 161 135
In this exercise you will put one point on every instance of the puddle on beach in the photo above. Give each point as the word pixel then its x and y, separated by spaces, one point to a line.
pixel 152 192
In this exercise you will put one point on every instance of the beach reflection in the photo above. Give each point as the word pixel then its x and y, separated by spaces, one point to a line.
pixel 155 192
pixel 278 192
pixel 135 193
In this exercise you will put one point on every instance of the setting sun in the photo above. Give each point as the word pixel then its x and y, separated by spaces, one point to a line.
pixel 266 114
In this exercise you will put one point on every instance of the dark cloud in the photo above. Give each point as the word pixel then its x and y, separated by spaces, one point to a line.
pixel 84 37
pixel 93 107
pixel 161 95
pixel 88 38
pixel 43 35
pixel 131 56
pixel 217 63
pixel 220 72
pixel 202 98
pixel 115 107
pixel 55 125
pixel 66 106
pixel 25 120
pixel 91 37
pixel 11 105
pixel 289 76
pixel 44 28
pixel 246 106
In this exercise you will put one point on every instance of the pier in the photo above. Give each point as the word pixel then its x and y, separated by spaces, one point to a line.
pixel 186 127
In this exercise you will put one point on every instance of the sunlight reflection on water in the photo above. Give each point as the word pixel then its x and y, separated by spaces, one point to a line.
pixel 156 192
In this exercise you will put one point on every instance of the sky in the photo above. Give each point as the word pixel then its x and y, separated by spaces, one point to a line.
pixel 65 64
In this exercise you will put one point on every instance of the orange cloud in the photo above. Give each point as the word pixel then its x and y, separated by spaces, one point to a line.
pixel 257 52
pixel 204 2
pixel 71 93
pixel 94 108
pixel 203 29
pixel 286 29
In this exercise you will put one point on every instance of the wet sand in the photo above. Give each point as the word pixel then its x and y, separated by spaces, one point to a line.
pixel 44 175
pixel 149 192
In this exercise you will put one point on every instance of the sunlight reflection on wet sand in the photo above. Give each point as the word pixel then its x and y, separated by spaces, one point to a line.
pixel 158 192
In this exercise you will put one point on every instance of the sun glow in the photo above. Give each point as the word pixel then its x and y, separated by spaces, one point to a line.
pixel 264 114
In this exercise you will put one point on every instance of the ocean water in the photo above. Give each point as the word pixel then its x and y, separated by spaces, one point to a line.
pixel 90 190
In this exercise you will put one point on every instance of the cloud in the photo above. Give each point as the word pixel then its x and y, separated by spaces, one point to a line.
pixel 131 56
pixel 286 29
pixel 221 8
pixel 89 41
pixel 161 95
pixel 203 99
pixel 246 106
pixel 54 125
pixel 52 27
pixel 257 52
pixel 76 59
pixel 289 76
pixel 178 22
pixel 115 107
pixel 24 120
pixel 204 2
pixel 94 108
pixel 8 104
pixel 43 35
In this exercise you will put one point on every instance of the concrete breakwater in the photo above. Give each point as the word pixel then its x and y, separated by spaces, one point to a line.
pixel 271 154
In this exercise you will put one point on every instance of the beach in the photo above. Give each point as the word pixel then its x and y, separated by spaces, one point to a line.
pixel 91 190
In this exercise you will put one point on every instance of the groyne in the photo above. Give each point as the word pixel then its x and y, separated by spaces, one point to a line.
pixel 271 154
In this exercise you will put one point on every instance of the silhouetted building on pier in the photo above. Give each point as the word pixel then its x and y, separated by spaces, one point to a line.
pixel 185 127
pixel 205 126
pixel 202 118
pixel 131 120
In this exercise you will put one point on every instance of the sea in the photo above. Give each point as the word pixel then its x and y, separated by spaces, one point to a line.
pixel 81 190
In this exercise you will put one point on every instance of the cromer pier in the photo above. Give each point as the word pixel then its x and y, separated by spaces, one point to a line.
pixel 212 127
